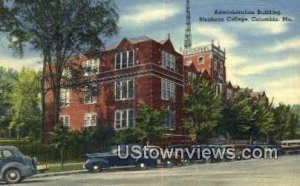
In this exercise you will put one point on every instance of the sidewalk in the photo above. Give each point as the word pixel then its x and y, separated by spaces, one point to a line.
pixel 65 173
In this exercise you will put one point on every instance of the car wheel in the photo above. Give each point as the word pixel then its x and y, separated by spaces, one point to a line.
pixel 169 163
pixel 142 165
pixel 12 176
pixel 185 161
pixel 96 168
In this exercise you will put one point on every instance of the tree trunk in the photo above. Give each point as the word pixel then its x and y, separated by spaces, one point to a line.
pixel 43 98
pixel 62 157
pixel 228 138
pixel 251 140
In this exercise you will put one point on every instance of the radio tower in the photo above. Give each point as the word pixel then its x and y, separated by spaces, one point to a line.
pixel 188 30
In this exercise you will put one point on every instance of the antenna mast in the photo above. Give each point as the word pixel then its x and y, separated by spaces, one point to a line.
pixel 188 30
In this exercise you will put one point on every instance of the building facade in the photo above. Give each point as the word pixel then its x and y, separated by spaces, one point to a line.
pixel 133 72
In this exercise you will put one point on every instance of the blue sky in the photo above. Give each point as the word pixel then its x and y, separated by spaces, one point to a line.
pixel 260 55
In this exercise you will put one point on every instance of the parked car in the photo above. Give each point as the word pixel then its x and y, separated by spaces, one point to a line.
pixel 14 166
pixel 182 154
pixel 164 160
pixel 41 167
pixel 97 161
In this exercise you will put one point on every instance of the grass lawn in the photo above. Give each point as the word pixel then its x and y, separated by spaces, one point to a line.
pixel 67 167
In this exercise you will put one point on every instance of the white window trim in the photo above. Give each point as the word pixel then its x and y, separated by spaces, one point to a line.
pixel 65 96
pixel 121 89
pixel 121 119
pixel 66 73
pixel 168 61
pixel 92 102
pixel 219 85
pixel 89 114
pixel 92 63
pixel 169 86
pixel 202 62
pixel 65 116
pixel 170 114
pixel 229 93
pixel 127 57
pixel 215 64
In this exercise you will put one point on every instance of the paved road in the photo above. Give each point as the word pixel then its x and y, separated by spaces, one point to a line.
pixel 283 171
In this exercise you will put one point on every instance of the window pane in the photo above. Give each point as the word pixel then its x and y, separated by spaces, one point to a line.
pixel 131 118
pixel 173 120
pixel 130 89
pixel 118 120
pixel 124 119
pixel 124 90
pixel 7 153
pixel 130 59
pixel 66 123
pixel 94 120
pixel 124 60
pixel 118 61
pixel 118 90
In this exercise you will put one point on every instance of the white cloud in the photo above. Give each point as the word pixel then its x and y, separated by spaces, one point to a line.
pixel 232 63
pixel 284 90
pixel 293 43
pixel 146 14
pixel 271 65
pixel 225 39
pixel 18 63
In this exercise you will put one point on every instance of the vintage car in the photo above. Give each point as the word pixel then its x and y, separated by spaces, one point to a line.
pixel 164 160
pixel 14 166
pixel 120 155
pixel 41 167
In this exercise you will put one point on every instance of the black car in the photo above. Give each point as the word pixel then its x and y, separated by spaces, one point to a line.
pixel 120 155
pixel 14 166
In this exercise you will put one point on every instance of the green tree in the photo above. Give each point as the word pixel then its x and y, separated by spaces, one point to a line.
pixel 149 124
pixel 26 119
pixel 60 30
pixel 286 123
pixel 60 138
pixel 205 107
pixel 148 127
pixel 252 118
pixel 8 78
pixel 228 124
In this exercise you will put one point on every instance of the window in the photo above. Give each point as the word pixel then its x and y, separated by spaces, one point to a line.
pixel 91 95
pixel 124 89
pixel 66 73
pixel 191 76
pixel 90 119
pixel 167 90
pixel 201 60
pixel 65 120
pixel 170 120
pixel 229 93
pixel 7 153
pixel 219 88
pixel 215 64
pixel 190 121
pixel 64 97
pixel 91 67
pixel 124 119
pixel 124 59
pixel 168 61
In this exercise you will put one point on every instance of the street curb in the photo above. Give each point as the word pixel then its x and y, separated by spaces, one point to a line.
pixel 42 175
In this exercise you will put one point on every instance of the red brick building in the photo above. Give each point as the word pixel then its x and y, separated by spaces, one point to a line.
pixel 133 72
pixel 140 71
pixel 209 58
